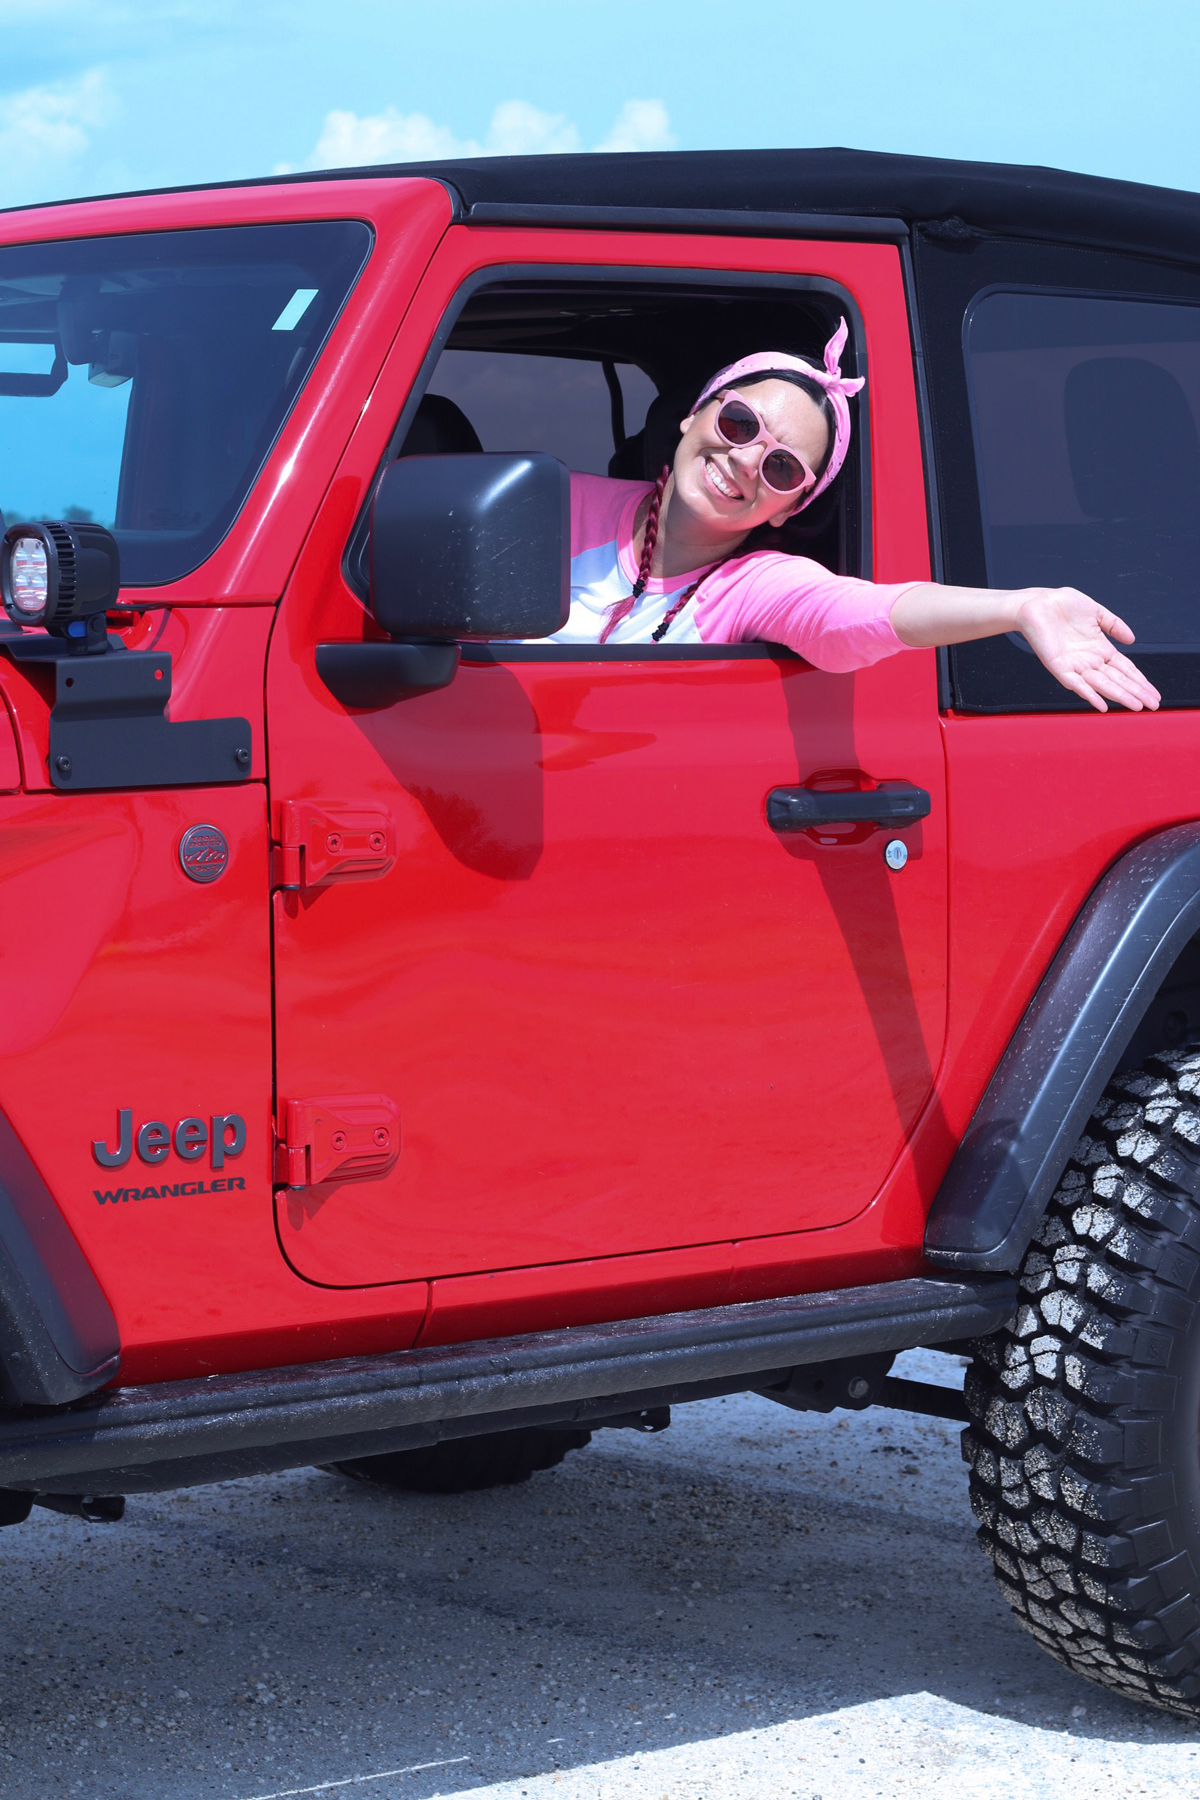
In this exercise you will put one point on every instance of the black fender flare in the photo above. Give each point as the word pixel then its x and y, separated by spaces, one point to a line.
pixel 1064 1052
pixel 58 1335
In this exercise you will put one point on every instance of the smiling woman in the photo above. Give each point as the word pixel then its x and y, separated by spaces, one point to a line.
pixel 678 561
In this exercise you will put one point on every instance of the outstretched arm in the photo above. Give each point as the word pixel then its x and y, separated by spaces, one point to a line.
pixel 1071 634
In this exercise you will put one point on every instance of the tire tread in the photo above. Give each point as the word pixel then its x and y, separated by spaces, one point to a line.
pixel 1072 1406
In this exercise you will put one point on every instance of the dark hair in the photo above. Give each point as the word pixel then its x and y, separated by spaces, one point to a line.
pixel 816 394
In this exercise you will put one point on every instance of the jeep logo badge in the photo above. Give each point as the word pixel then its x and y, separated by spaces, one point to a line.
pixel 203 853
pixel 191 1138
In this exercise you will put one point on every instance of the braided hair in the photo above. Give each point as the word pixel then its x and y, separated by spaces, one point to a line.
pixel 624 607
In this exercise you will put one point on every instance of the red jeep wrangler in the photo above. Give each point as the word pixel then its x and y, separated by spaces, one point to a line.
pixel 426 1045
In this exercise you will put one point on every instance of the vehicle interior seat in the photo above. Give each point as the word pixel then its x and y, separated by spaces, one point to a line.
pixel 440 428
pixel 641 457
pixel 1132 441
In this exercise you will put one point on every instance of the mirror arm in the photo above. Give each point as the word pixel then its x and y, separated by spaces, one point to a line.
pixel 378 674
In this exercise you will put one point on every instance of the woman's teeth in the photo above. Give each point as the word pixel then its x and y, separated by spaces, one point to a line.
pixel 721 484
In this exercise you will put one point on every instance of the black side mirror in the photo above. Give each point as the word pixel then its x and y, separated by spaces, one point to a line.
pixel 474 546
pixel 471 546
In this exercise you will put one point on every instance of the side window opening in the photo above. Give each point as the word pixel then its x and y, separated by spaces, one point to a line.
pixel 600 374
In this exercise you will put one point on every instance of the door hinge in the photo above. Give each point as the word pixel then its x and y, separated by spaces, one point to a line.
pixel 348 1137
pixel 320 844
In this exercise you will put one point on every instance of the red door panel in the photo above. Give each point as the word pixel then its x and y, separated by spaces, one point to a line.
pixel 617 1012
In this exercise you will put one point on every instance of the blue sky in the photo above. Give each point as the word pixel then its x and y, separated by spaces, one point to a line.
pixel 102 96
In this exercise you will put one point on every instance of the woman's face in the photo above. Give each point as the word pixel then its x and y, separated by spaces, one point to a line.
pixel 720 484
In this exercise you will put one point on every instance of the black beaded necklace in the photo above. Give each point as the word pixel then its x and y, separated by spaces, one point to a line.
pixel 623 608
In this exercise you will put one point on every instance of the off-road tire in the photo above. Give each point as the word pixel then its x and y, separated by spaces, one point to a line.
pixel 1085 1471
pixel 464 1465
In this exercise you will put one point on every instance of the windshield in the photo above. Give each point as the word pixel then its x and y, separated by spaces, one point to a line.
pixel 143 380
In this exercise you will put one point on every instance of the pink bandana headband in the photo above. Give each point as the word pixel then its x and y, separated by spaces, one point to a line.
pixel 835 385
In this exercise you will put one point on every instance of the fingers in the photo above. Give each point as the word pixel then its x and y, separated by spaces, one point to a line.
pixel 1114 686
pixel 1070 678
pixel 1134 681
pixel 1113 627
pixel 1114 678
pixel 1110 623
pixel 1120 680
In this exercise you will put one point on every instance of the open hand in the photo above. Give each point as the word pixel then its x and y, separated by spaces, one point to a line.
pixel 1074 636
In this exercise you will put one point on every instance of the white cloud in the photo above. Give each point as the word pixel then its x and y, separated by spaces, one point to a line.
pixel 516 129
pixel 640 125
pixel 347 140
pixel 43 128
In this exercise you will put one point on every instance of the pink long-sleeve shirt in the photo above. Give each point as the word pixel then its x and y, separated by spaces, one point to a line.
pixel 833 621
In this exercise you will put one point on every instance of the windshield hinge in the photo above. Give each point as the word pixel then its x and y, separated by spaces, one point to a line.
pixel 350 1137
pixel 321 844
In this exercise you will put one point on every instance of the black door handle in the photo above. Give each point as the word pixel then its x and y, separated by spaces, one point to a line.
pixel 800 808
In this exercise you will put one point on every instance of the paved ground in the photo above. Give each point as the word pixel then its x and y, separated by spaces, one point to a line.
pixel 755 1604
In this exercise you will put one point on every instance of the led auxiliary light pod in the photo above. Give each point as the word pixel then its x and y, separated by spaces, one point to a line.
pixel 63 575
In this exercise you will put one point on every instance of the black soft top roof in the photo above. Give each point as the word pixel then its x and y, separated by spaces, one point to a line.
pixel 993 197
pixel 1001 198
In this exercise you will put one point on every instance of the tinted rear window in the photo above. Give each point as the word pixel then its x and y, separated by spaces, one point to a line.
pixel 1086 412
pixel 143 380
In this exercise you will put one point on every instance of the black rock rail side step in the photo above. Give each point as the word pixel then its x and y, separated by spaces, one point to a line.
pixel 175 1434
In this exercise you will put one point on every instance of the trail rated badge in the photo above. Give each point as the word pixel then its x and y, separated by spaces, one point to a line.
pixel 203 853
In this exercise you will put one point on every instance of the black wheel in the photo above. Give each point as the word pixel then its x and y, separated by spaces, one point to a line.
pixel 1083 1446
pixel 461 1465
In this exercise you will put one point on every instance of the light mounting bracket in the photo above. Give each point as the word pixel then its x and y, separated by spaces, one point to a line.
pixel 108 724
